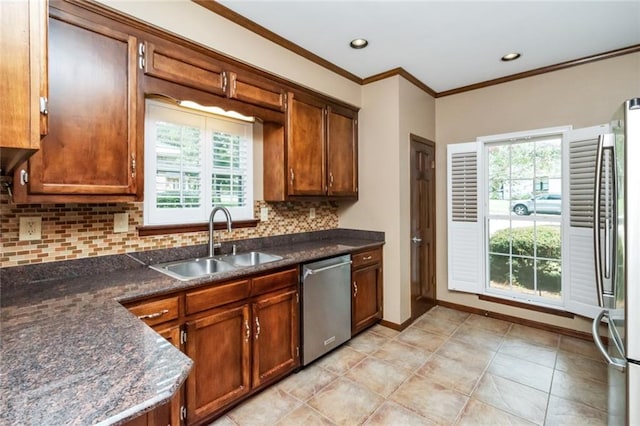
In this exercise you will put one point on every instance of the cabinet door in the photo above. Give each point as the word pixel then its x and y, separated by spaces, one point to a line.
pixel 276 339
pixel 366 308
pixel 306 146
pixel 219 345
pixel 342 153
pixel 91 145
pixel 169 414
pixel 23 79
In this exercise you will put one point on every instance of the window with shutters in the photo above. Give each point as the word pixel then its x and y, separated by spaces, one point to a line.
pixel 531 207
pixel 524 217
pixel 194 161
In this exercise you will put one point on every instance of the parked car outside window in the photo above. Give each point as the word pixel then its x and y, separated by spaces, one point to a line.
pixel 545 203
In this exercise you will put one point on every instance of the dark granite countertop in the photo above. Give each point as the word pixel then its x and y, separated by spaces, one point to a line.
pixel 71 354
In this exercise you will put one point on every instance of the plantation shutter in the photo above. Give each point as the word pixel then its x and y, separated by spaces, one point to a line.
pixel 579 270
pixel 464 218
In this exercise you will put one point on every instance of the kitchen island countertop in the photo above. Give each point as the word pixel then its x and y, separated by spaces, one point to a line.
pixel 72 354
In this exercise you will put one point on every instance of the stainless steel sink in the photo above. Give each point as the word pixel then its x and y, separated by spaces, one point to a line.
pixel 189 269
pixel 193 268
pixel 251 258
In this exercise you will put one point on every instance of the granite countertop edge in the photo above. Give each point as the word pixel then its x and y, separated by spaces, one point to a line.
pixel 30 308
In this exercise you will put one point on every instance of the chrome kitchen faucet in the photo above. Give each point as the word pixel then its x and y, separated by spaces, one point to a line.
pixel 212 245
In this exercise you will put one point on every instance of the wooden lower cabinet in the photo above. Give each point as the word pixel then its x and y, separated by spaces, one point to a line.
pixel 219 346
pixel 170 414
pixel 366 291
pixel 275 346
pixel 241 335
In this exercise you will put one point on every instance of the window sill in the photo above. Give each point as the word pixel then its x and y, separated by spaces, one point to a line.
pixel 149 230
pixel 524 305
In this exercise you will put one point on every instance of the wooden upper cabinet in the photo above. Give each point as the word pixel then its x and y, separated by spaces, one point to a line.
pixel 23 79
pixel 342 152
pixel 306 146
pixel 322 150
pixel 177 64
pixel 91 148
pixel 248 88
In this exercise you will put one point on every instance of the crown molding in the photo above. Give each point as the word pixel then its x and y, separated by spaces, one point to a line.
pixel 247 23
pixel 403 73
pixel 543 70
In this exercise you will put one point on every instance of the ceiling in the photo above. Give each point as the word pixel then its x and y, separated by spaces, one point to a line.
pixel 448 44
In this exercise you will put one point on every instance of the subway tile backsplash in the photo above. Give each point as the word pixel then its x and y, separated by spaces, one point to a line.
pixel 73 231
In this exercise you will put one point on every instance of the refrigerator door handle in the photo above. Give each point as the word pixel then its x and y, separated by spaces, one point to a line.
pixel 598 341
pixel 597 243
pixel 605 260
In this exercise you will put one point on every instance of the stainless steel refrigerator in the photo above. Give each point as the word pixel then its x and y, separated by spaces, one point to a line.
pixel 617 260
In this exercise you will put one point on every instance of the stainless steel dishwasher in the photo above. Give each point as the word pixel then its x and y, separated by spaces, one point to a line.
pixel 326 306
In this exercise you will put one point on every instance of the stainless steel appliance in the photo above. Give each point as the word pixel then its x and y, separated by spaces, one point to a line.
pixel 326 306
pixel 617 257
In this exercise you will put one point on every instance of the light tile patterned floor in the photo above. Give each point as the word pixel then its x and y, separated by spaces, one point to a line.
pixel 448 367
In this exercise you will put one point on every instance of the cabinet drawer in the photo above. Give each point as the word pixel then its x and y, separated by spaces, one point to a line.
pixel 275 281
pixel 180 65
pixel 252 90
pixel 211 297
pixel 157 311
pixel 366 258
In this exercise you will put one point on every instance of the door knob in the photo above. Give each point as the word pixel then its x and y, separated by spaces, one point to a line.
pixel 416 240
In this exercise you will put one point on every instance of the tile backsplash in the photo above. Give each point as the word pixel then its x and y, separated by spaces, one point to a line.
pixel 73 231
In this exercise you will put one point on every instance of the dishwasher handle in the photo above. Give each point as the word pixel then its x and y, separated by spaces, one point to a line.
pixel 310 271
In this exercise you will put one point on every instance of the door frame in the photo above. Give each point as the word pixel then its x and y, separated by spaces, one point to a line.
pixel 413 141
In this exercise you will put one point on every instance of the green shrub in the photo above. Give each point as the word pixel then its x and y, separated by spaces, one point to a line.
pixel 549 245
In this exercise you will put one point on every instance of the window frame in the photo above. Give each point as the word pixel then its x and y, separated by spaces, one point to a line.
pixel 484 142
pixel 208 124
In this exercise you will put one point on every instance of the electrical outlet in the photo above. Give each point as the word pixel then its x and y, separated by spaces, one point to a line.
pixel 264 214
pixel 30 228
pixel 312 213
pixel 120 222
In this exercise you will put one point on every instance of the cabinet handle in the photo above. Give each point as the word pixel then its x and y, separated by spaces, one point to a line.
pixel 367 257
pixel 44 105
pixel 247 330
pixel 224 81
pixel 330 179
pixel 133 165
pixel 292 175
pixel 154 315
pixel 257 328
pixel 355 289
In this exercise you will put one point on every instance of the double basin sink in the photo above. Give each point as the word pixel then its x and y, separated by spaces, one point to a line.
pixel 189 269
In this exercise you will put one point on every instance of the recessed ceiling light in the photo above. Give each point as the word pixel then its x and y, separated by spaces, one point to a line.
pixel 510 57
pixel 359 43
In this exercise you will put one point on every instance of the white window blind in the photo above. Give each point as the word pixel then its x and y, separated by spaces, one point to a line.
pixel 465 249
pixel 193 161
pixel 579 271
pixel 464 187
